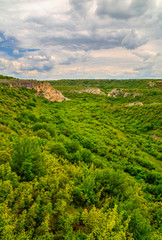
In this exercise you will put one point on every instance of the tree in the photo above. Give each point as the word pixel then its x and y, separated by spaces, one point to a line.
pixel 58 149
pixel 27 159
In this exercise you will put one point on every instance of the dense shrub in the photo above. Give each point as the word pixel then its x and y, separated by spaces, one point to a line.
pixel 4 157
pixel 42 133
pixel 27 159
pixel 48 127
pixel 72 146
pixel 26 116
pixel 86 155
pixel 58 149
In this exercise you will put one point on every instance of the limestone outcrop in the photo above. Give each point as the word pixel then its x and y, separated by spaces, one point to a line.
pixel 44 89
pixel 90 90
pixel 121 92
pixel 152 84
pixel 134 103
pixel 115 92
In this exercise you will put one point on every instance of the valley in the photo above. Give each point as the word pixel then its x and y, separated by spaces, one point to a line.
pixel 87 166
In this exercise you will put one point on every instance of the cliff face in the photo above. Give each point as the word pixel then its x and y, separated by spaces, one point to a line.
pixel 43 88
pixel 49 92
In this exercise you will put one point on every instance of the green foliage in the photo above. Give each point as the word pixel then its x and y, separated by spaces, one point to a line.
pixel 86 156
pixel 48 127
pixel 6 77
pixel 72 146
pixel 58 149
pixel 26 116
pixel 4 157
pixel 103 224
pixel 27 159
pixel 42 133
pixel 89 168
pixel 113 183
pixel 140 226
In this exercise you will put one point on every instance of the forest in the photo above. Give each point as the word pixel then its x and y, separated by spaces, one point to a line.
pixel 84 169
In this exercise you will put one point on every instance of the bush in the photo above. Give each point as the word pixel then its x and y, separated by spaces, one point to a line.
pixel 42 133
pixel 27 159
pixel 59 149
pixel 72 146
pixel 114 183
pixel 74 157
pixel 26 116
pixel 86 155
pixel 38 126
pixel 47 127
pixel 4 157
pixel 140 226
pixel 31 104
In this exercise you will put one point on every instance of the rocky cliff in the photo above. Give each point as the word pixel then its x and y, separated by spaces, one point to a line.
pixel 43 89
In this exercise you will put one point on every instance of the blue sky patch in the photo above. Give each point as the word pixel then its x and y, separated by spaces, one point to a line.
pixel 9 46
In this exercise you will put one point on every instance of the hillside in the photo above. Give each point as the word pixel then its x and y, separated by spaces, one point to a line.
pixel 88 168
pixel 43 88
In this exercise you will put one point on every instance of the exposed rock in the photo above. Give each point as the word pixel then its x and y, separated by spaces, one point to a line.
pixel 154 103
pixel 136 94
pixel 49 92
pixel 90 90
pixel 156 137
pixel 126 94
pixel 134 103
pixel 43 88
pixel 115 92
pixel 152 84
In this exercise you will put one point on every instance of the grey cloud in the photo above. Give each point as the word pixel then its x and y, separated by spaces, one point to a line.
pixel 123 9
pixel 37 61
pixel 69 60
pixel 80 7
pixel 149 66
pixel 61 33
pixel 86 43
pixel 45 67
pixel 145 71
pixel 132 40
pixel 108 39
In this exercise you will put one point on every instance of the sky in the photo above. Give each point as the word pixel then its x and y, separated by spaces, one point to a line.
pixel 81 39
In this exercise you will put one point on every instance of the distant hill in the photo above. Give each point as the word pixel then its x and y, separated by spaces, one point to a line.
pixel 6 77
pixel 108 83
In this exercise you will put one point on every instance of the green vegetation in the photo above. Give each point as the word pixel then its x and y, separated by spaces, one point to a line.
pixel 84 169
pixel 6 77
pixel 107 84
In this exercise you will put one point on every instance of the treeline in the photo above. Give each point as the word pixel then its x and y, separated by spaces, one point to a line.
pixel 109 83
pixel 6 77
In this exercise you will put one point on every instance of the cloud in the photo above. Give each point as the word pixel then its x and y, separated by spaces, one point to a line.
pixel 56 38
pixel 123 9
pixel 132 40
pixel 38 61
pixel 81 7
pixel 16 52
